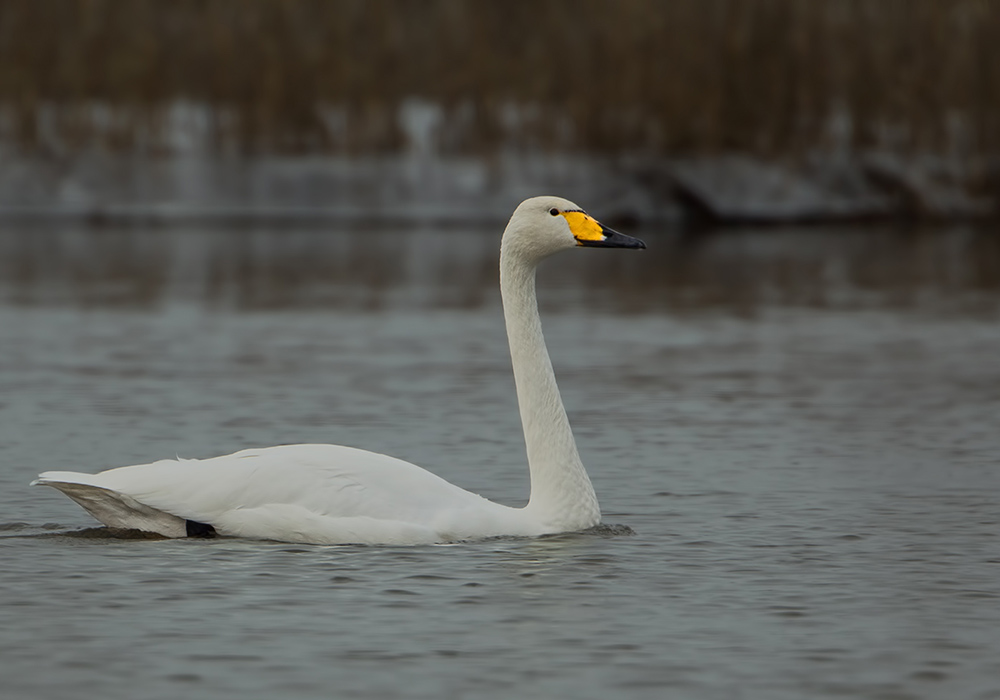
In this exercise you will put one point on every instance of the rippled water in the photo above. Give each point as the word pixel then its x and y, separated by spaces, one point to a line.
pixel 801 427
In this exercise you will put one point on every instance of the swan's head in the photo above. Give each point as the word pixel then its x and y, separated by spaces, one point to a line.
pixel 541 226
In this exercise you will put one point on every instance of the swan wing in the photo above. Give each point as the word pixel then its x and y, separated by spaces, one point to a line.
pixel 301 493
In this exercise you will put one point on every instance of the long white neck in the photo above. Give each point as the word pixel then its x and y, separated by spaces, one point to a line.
pixel 561 492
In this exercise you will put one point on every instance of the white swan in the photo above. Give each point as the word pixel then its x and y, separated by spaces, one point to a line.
pixel 330 494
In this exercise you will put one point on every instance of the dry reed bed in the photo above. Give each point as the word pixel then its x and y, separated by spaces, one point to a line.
pixel 773 77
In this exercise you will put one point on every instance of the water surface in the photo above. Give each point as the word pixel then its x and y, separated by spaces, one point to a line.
pixel 799 425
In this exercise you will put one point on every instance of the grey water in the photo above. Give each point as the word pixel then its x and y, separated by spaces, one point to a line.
pixel 801 427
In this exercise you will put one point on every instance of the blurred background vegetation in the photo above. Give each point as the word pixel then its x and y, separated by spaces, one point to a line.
pixel 768 77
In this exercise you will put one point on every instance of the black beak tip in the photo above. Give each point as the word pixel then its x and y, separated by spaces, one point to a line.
pixel 630 242
pixel 614 239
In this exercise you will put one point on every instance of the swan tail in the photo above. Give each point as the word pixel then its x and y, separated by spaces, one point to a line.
pixel 118 510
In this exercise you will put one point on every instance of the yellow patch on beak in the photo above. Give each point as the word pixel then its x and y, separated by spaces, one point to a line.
pixel 583 227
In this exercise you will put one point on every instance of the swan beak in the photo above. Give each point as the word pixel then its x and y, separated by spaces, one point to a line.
pixel 589 232
pixel 612 239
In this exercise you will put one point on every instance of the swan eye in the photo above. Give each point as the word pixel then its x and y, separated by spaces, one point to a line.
pixel 554 212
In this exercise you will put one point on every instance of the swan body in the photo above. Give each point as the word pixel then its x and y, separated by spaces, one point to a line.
pixel 331 494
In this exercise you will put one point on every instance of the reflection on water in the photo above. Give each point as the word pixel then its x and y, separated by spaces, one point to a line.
pixel 369 268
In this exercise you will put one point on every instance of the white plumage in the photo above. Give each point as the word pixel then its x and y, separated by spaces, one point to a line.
pixel 331 494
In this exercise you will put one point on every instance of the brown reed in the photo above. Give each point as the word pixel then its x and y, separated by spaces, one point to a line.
pixel 653 76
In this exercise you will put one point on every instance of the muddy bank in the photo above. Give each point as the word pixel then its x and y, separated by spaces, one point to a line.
pixel 422 186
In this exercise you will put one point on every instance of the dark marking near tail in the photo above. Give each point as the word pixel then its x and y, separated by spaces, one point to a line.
pixel 196 529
